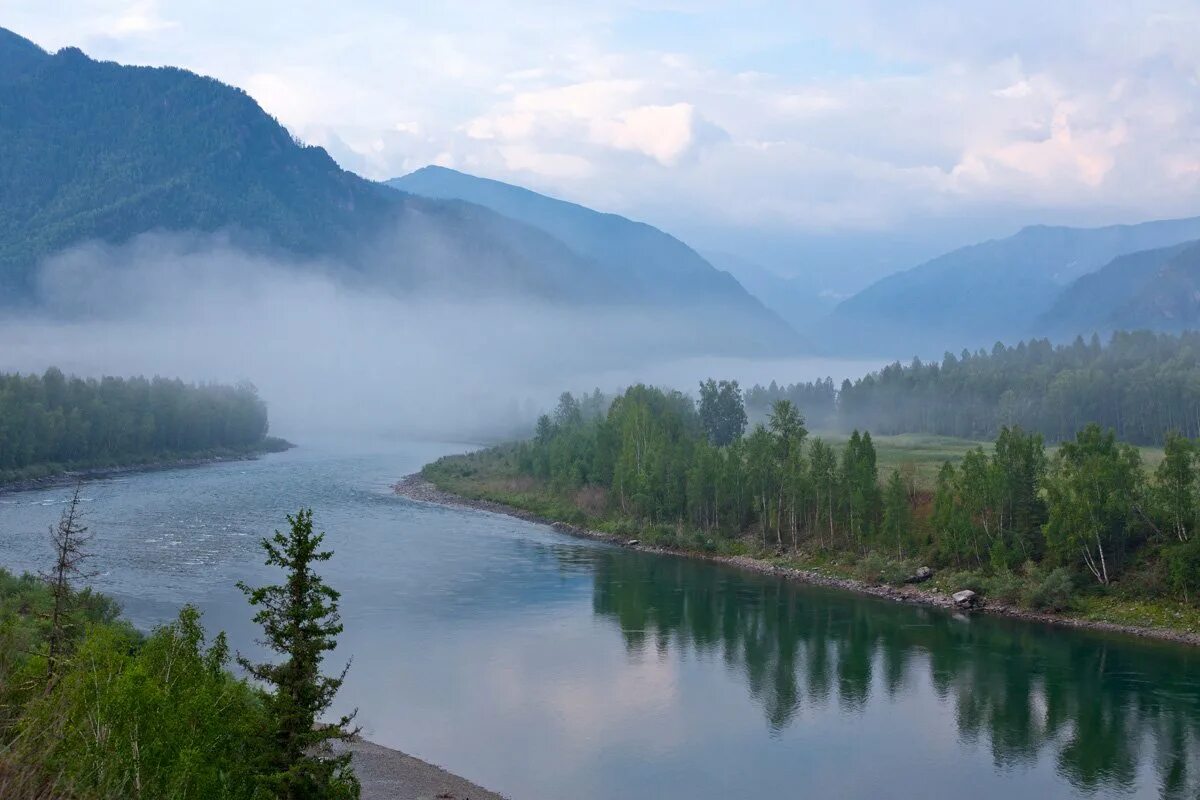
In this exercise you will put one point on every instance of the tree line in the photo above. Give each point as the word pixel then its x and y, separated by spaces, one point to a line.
pixel 91 709
pixel 55 419
pixel 667 461
pixel 1139 384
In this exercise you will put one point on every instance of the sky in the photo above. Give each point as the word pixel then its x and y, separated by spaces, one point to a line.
pixel 833 141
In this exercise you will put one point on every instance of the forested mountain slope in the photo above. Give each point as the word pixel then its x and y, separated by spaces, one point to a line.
pixel 97 150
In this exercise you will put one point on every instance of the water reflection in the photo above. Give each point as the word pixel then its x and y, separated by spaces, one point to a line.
pixel 1097 706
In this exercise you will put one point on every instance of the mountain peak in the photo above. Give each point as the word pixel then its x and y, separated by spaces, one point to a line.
pixel 18 54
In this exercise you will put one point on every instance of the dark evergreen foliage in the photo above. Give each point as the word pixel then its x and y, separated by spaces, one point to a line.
pixel 1140 384
pixel 300 622
pixel 53 419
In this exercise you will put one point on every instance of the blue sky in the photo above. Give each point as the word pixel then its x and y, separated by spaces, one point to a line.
pixel 836 140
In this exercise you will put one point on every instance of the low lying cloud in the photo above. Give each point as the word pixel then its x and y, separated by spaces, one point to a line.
pixel 327 357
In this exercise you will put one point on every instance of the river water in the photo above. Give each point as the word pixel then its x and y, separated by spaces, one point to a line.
pixel 552 668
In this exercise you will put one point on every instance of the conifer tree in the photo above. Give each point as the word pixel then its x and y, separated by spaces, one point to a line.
pixel 301 623
pixel 69 539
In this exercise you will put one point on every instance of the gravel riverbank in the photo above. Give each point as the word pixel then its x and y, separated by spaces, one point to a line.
pixel 416 487
pixel 387 774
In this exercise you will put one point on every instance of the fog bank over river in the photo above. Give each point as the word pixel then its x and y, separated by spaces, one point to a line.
pixel 332 356
pixel 546 667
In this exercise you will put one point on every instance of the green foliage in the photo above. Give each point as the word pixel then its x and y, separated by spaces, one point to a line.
pixel 1094 492
pixel 1054 591
pixel 722 411
pixel 300 622
pixel 1183 568
pixel 1012 523
pixel 55 420
pixel 1176 486
pixel 163 720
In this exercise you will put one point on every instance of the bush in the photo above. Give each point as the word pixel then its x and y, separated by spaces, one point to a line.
pixel 1004 587
pixel 955 581
pixel 1054 592
pixel 1183 568
pixel 871 568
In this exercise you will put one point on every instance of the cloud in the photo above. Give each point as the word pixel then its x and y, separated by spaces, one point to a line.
pixel 863 116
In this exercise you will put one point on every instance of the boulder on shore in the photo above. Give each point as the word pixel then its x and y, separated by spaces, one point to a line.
pixel 921 575
pixel 965 598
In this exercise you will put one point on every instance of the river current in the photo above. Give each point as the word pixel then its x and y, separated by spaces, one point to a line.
pixel 552 668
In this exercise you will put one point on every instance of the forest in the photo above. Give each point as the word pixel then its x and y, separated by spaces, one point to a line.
pixel 1139 384
pixel 53 421
pixel 1036 526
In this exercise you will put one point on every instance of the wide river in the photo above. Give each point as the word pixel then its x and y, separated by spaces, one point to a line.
pixel 550 668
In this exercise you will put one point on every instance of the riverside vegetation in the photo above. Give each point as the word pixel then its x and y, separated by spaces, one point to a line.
pixel 1086 530
pixel 90 709
pixel 52 423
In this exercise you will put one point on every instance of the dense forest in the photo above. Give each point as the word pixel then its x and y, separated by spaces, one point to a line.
pixel 1139 384
pixel 53 419
pixel 691 473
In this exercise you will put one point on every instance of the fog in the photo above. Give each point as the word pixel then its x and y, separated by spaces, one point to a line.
pixel 330 359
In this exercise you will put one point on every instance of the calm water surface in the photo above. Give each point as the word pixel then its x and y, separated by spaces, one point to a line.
pixel 551 668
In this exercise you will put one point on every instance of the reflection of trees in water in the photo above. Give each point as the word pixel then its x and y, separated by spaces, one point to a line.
pixel 1099 706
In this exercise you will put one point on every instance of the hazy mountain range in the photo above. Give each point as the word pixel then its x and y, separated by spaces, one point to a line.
pixel 1056 281
pixel 99 151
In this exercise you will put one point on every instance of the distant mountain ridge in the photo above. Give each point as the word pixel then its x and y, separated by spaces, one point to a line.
pixel 94 150
pixel 1153 289
pixel 657 266
pixel 996 290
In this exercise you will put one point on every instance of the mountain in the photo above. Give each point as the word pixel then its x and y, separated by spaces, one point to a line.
pixel 99 151
pixel 999 289
pixel 657 267
pixel 1154 289
pixel 798 300
pixel 94 150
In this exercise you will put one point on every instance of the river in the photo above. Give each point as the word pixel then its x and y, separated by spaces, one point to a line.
pixel 552 668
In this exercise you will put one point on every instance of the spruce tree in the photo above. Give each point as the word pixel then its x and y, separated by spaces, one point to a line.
pixel 301 623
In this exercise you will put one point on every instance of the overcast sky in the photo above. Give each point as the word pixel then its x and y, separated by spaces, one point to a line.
pixel 845 139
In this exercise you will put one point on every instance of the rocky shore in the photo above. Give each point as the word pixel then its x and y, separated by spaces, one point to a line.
pixel 387 774
pixel 416 487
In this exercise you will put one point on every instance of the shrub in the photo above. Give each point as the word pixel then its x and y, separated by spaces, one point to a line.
pixel 1183 568
pixel 1054 592
pixel 870 569
pixel 1005 587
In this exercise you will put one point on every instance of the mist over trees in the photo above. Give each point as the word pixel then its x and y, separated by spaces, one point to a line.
pixel 61 420
pixel 1139 384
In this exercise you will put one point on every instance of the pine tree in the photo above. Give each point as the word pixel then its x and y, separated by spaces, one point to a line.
pixel 301 622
